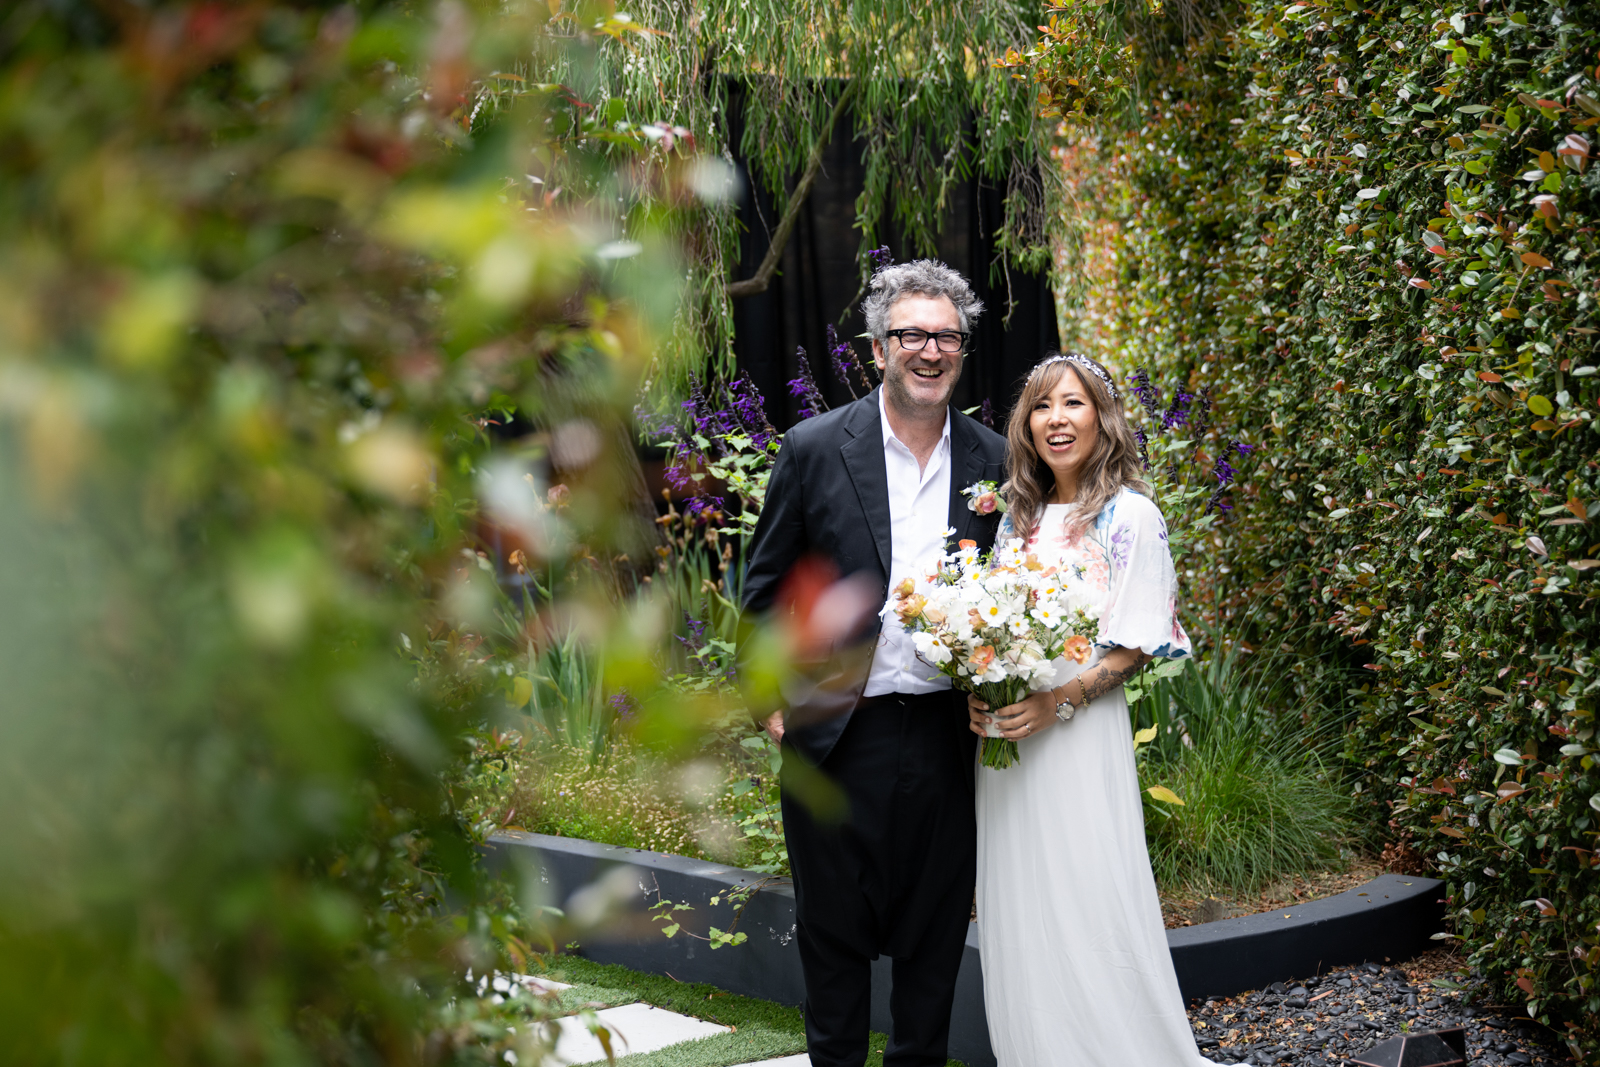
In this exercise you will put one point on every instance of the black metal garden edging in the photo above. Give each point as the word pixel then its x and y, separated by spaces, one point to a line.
pixel 1389 918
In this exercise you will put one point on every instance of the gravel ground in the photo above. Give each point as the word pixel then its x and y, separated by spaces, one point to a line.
pixel 1187 906
pixel 1328 1019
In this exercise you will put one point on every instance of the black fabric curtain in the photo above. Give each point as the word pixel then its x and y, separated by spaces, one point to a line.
pixel 818 279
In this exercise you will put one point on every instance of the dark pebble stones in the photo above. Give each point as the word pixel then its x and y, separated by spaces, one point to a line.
pixel 1344 1030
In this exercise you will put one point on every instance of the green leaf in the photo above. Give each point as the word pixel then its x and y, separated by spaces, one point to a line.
pixel 1162 793
pixel 1540 405
pixel 1509 756
pixel 1144 737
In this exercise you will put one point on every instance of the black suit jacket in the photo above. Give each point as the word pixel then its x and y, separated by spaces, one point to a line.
pixel 829 496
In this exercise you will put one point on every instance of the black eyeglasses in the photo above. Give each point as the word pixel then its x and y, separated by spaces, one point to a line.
pixel 917 340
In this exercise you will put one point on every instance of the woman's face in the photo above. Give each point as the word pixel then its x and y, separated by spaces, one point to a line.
pixel 1065 427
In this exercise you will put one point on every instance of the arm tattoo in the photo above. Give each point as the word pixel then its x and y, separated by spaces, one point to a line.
pixel 1104 679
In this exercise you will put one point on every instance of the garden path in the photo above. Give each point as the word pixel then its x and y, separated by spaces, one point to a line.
pixel 638 1028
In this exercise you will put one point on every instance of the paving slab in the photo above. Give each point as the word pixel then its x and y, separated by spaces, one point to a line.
pixel 541 985
pixel 634 1028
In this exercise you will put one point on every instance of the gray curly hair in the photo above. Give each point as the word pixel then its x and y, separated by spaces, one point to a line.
pixel 920 277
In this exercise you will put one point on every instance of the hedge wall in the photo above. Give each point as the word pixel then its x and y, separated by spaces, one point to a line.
pixel 1371 230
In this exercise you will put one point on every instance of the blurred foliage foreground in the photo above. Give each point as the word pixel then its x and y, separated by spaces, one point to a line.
pixel 260 278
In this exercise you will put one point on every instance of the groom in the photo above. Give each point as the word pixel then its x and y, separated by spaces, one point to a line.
pixel 872 487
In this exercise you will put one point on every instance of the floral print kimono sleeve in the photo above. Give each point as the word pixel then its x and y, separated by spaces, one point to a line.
pixel 1142 603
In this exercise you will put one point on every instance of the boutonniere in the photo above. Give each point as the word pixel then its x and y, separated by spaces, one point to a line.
pixel 984 498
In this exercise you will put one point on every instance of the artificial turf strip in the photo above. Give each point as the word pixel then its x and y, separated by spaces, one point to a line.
pixel 722 1050
pixel 755 1022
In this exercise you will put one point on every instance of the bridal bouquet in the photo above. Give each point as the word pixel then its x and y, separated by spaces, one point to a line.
pixel 994 623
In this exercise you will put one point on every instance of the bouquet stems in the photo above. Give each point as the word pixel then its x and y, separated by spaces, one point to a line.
pixel 999 752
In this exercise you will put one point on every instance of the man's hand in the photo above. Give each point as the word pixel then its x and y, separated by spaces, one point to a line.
pixel 774 727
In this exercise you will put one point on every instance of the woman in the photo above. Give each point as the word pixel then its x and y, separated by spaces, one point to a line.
pixel 1075 964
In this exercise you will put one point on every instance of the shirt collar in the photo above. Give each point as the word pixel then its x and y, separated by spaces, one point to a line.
pixel 888 431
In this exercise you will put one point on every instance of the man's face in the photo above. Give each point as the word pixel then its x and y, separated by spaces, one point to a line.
pixel 919 383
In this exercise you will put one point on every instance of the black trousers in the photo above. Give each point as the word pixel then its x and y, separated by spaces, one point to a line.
pixel 895 878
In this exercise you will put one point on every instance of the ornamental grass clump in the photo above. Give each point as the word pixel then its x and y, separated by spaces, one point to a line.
pixel 631 797
pixel 1240 789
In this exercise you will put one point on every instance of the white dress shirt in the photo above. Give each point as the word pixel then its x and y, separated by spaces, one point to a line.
pixel 919 513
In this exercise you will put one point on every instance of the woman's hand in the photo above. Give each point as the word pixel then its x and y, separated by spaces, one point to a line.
pixel 1025 718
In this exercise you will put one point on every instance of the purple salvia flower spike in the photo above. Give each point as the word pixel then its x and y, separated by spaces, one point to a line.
pixel 805 388
pixel 1177 412
pixel 1149 396
pixel 841 358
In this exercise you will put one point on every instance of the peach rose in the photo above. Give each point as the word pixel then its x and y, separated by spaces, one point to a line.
pixel 911 606
pixel 986 503
pixel 981 658
pixel 1077 648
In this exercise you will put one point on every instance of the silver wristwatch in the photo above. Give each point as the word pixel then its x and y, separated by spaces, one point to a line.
pixel 1066 710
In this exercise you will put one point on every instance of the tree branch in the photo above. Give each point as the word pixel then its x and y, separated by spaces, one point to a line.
pixel 758 282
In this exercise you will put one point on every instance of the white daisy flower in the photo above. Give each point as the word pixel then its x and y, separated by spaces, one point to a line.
pixel 994 613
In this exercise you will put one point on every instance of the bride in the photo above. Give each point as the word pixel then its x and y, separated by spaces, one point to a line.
pixel 1076 970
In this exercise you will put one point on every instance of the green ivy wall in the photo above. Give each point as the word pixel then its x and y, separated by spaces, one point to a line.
pixel 1371 231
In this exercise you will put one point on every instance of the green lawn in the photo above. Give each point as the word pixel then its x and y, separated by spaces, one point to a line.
pixel 762 1030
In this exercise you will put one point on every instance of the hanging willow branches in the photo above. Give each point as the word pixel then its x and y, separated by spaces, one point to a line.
pixel 915 83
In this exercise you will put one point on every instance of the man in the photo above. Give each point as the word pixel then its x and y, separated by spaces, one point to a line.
pixel 872 487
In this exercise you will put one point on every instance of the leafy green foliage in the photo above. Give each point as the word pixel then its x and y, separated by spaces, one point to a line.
pixel 1250 794
pixel 263 292
pixel 762 814
pixel 1371 231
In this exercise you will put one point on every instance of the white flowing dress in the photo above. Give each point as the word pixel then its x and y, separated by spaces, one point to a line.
pixel 1076 970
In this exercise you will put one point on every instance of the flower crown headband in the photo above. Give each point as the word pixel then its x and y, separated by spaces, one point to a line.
pixel 1081 361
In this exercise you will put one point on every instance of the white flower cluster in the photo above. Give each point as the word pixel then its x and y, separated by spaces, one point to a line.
pixel 984 618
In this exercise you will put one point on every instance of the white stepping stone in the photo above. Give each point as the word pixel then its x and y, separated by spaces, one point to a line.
pixel 540 985
pixel 634 1028
pixel 802 1060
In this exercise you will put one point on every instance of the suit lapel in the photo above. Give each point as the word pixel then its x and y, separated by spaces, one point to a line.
pixel 863 459
pixel 966 467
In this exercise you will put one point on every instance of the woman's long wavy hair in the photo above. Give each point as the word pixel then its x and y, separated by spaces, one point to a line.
pixel 1113 466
